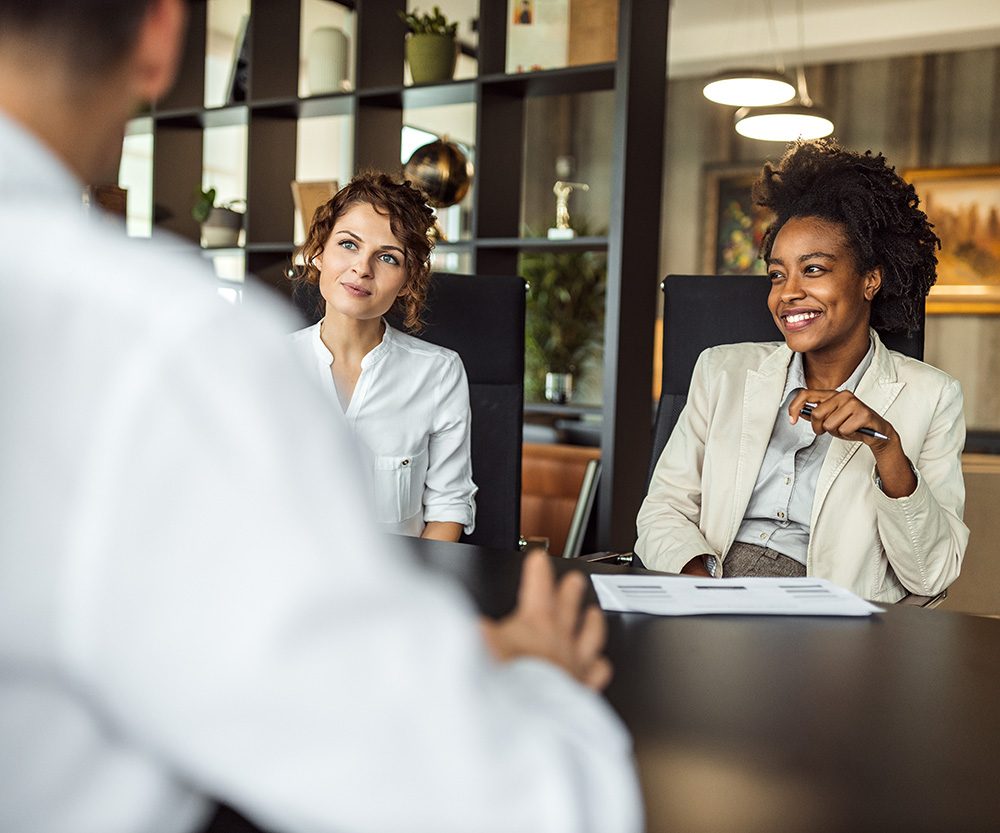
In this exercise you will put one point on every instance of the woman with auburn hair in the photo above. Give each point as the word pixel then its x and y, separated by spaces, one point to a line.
pixel 405 400
pixel 827 455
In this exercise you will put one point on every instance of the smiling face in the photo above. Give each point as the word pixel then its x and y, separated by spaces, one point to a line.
pixel 819 300
pixel 362 269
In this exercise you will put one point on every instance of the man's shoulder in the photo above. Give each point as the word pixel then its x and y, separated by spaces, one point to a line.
pixel 71 269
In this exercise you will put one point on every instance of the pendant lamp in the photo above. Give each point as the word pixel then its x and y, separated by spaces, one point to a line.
pixel 799 119
pixel 749 88
pixel 783 122
pixel 753 87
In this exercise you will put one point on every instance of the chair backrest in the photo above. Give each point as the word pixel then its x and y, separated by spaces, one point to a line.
pixel 701 311
pixel 480 317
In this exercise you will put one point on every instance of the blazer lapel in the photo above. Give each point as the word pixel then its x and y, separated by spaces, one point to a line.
pixel 761 398
pixel 878 389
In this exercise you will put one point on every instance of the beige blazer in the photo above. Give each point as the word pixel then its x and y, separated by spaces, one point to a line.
pixel 878 547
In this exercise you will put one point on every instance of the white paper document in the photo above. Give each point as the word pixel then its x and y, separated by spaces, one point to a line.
pixel 690 596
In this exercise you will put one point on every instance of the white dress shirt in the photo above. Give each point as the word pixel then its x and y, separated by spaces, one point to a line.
pixel 191 607
pixel 410 413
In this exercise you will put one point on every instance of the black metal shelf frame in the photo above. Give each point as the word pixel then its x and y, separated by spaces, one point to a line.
pixel 273 109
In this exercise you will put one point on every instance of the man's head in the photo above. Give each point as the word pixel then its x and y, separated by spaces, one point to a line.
pixel 74 70
pixel 92 35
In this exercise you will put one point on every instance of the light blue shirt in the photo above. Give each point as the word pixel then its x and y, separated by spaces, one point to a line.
pixel 778 514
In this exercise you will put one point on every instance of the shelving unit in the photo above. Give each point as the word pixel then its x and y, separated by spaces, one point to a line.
pixel 273 109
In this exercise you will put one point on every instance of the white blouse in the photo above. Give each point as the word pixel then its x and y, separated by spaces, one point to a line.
pixel 410 411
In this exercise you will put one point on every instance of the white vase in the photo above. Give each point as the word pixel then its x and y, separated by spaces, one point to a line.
pixel 326 60
pixel 222 228
pixel 558 387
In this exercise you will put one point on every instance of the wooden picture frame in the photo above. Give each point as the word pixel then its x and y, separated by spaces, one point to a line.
pixel 733 226
pixel 963 203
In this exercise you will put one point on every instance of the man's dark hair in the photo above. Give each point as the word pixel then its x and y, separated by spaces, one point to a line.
pixel 93 34
pixel 879 213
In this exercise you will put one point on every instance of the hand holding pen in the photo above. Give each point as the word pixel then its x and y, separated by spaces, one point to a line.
pixel 807 410
pixel 841 414
pixel 838 413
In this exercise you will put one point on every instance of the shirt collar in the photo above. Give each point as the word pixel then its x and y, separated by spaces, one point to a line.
pixel 30 170
pixel 796 376
pixel 389 337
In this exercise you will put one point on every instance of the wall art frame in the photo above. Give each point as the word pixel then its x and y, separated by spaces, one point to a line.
pixel 732 226
pixel 963 203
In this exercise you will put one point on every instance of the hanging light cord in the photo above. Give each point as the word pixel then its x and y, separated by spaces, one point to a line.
pixel 779 64
pixel 800 72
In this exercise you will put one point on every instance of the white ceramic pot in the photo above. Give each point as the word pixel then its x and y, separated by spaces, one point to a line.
pixel 558 387
pixel 221 229
pixel 326 60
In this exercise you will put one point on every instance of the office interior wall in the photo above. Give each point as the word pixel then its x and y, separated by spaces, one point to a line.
pixel 919 111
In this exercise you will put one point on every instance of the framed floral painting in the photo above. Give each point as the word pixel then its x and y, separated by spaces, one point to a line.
pixel 733 225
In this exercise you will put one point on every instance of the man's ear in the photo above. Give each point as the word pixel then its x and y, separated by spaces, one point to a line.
pixel 873 282
pixel 158 48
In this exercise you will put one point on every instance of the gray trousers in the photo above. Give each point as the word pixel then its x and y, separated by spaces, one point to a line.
pixel 751 560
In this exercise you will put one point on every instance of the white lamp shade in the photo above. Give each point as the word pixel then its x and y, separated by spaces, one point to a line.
pixel 782 124
pixel 751 88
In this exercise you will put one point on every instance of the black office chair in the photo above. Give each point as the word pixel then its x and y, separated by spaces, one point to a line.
pixel 480 317
pixel 702 311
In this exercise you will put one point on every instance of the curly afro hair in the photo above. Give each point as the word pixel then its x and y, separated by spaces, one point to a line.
pixel 878 211
pixel 410 219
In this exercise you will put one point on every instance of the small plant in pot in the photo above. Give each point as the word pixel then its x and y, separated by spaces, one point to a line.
pixel 564 326
pixel 431 48
pixel 220 224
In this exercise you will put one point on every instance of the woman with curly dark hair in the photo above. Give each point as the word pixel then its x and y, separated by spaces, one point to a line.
pixel 828 455
pixel 406 401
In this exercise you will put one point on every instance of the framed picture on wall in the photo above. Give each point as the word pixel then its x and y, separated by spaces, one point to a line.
pixel 733 225
pixel 963 203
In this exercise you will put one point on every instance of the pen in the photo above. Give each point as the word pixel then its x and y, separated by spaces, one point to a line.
pixel 868 432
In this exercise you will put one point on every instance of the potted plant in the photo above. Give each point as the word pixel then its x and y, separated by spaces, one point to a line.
pixel 220 224
pixel 564 324
pixel 431 48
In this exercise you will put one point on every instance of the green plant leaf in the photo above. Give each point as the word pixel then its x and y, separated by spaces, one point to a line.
pixel 564 324
pixel 428 24
pixel 204 201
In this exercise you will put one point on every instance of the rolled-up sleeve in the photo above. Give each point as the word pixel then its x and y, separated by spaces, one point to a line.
pixel 449 490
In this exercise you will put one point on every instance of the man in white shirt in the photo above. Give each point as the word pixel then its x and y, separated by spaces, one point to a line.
pixel 191 610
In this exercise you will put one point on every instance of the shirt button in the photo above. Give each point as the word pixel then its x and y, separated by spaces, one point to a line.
pixel 406 462
pixel 788 480
pixel 781 514
pixel 763 536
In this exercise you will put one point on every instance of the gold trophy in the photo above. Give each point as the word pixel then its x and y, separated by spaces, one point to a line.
pixel 562 190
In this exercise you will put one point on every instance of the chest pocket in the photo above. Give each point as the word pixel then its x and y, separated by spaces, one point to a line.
pixel 399 487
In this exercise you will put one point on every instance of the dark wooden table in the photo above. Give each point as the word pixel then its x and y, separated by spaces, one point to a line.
pixel 747 724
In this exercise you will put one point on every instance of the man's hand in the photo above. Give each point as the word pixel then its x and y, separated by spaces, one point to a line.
pixel 547 624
